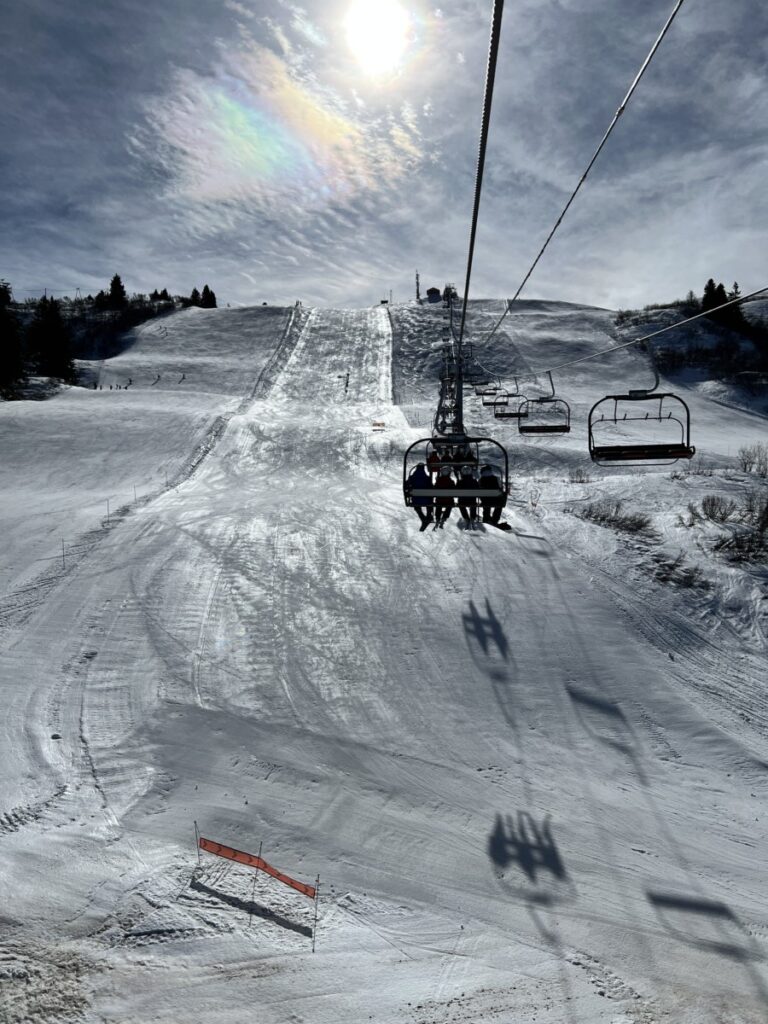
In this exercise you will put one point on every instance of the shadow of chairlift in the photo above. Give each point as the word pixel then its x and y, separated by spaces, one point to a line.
pixel 545 415
pixel 643 411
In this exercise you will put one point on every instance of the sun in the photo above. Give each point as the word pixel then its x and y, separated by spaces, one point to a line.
pixel 378 33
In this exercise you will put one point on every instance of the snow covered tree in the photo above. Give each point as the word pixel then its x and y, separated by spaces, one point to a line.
pixel 208 298
pixel 117 297
pixel 49 342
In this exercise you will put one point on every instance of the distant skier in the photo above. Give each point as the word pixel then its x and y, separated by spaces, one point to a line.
pixel 468 507
pixel 491 506
pixel 443 505
pixel 420 478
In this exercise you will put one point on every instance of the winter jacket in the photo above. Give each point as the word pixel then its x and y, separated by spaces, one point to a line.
pixel 420 478
pixel 487 483
pixel 444 483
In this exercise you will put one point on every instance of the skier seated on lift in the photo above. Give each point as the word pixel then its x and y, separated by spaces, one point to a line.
pixel 420 478
pixel 433 461
pixel 465 455
pixel 491 506
pixel 443 505
pixel 468 507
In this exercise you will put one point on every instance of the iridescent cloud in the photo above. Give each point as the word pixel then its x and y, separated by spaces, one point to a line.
pixel 254 131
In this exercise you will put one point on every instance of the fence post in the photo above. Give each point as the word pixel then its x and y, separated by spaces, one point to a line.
pixel 197 845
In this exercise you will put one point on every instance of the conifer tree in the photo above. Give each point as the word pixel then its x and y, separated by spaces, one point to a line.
pixel 154 295
pixel 208 298
pixel 708 299
pixel 194 297
pixel 164 295
pixel 117 296
pixel 49 342
pixel 11 351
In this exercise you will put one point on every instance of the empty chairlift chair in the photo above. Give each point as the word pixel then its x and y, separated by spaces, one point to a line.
pixel 640 427
pixel 546 415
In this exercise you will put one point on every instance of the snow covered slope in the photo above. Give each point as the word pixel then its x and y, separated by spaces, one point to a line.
pixel 530 774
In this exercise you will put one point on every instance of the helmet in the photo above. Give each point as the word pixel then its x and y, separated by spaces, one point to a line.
pixel 445 470
pixel 466 470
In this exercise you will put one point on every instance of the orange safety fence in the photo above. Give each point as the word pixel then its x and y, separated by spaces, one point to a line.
pixel 256 862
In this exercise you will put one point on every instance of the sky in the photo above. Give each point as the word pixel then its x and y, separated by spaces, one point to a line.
pixel 326 150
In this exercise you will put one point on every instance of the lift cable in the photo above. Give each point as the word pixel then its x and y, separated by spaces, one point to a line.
pixel 493 52
pixel 583 178
pixel 646 337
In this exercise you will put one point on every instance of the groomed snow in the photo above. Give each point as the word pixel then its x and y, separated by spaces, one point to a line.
pixel 530 772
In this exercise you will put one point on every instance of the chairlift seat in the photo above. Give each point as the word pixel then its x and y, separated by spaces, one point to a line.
pixel 644 452
pixel 511 414
pixel 544 428
pixel 465 494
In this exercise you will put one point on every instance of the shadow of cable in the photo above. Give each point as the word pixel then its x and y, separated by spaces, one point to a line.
pixel 251 908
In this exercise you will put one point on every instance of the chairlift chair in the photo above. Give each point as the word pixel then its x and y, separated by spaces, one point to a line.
pixel 482 451
pixel 665 414
pixel 514 408
pixel 547 414
pixel 544 416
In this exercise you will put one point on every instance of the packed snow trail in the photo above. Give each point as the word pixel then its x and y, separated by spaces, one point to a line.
pixel 516 809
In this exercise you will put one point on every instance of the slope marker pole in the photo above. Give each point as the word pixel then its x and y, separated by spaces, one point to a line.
pixel 314 925
pixel 197 845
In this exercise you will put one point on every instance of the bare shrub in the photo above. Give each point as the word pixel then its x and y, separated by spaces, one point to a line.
pixel 610 513
pixel 747 457
pixel 749 546
pixel 716 508
pixel 673 570
pixel 579 476
pixel 754 458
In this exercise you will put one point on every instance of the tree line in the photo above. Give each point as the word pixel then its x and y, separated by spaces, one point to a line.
pixel 734 344
pixel 40 337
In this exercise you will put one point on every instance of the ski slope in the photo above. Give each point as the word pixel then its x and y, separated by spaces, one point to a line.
pixel 531 777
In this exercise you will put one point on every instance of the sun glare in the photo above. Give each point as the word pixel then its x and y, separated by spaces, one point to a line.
pixel 377 33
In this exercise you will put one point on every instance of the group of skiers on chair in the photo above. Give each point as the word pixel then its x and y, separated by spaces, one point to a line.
pixel 437 474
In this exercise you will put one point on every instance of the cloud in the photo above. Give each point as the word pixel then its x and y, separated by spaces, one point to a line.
pixel 239 143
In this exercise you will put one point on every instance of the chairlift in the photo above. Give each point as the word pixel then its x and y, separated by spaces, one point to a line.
pixel 490 396
pixel 437 452
pixel 663 418
pixel 547 414
pixel 514 407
